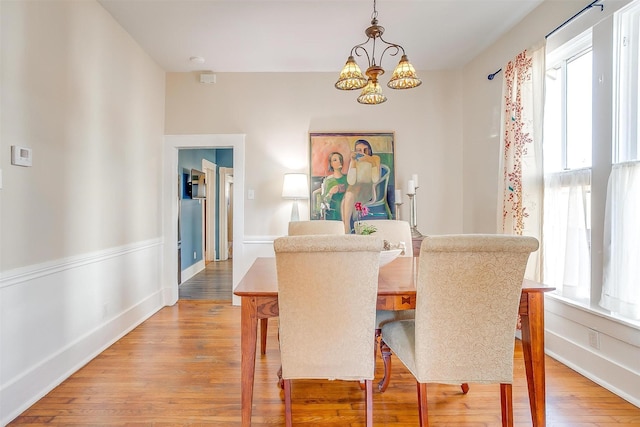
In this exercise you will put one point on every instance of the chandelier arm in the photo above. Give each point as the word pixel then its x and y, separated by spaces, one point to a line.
pixel 397 47
pixel 360 47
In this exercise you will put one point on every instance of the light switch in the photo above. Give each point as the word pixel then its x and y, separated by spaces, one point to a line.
pixel 251 195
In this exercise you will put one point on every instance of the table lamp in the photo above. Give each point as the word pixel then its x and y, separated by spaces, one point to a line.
pixel 295 187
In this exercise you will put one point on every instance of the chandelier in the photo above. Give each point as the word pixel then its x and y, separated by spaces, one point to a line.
pixel 351 78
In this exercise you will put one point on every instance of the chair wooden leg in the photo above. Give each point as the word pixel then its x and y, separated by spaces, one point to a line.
pixel 368 395
pixel 422 405
pixel 375 345
pixel 287 403
pixel 280 380
pixel 263 335
pixel 385 351
pixel 506 403
pixel 465 388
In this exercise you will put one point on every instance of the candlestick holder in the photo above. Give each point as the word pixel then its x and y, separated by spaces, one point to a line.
pixel 414 215
pixel 398 204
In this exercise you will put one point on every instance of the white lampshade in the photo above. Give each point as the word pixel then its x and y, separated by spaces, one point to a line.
pixel 295 186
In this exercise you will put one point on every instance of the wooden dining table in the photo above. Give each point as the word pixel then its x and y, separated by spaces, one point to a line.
pixel 258 290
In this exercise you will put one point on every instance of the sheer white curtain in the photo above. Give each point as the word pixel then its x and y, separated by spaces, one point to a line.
pixel 621 281
pixel 520 192
pixel 567 232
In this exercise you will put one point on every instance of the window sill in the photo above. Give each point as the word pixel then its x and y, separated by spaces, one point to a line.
pixel 584 306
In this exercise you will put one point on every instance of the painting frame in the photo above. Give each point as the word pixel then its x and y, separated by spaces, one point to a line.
pixel 381 200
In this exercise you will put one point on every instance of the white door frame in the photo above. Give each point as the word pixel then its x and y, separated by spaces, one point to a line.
pixel 170 209
pixel 226 177
pixel 210 169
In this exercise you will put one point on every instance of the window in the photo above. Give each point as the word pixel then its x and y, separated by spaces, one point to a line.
pixel 627 112
pixel 621 270
pixel 591 229
pixel 567 120
pixel 567 165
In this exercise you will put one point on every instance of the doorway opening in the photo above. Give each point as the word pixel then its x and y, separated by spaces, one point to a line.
pixel 205 224
pixel 174 211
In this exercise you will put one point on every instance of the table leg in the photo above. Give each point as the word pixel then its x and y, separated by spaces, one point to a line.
pixel 532 314
pixel 248 333
pixel 264 323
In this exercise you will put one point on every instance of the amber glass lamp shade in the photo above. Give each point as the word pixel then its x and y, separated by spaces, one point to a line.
pixel 404 76
pixel 351 77
pixel 372 94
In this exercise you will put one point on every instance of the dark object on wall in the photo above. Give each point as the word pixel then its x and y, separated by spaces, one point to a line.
pixel 196 188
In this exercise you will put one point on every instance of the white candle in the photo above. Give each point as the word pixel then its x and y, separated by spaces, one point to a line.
pixel 398 196
pixel 411 187
pixel 414 178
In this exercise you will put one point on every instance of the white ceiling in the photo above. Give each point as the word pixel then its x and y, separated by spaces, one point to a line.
pixel 311 35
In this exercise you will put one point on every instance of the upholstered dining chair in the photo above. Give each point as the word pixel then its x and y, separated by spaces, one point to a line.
pixel 467 297
pixel 327 291
pixel 302 228
pixel 299 228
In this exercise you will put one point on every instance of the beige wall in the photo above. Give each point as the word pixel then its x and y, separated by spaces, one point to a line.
pixel 277 111
pixel 89 102
pixel 80 230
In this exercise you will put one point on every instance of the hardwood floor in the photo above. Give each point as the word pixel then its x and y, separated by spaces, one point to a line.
pixel 182 367
pixel 214 283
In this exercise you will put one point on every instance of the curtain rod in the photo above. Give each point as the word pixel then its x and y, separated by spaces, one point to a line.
pixel 594 3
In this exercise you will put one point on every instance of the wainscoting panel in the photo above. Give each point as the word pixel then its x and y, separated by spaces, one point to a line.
pixel 55 317
pixel 601 349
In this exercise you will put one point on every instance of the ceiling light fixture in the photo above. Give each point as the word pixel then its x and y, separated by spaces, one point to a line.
pixel 351 78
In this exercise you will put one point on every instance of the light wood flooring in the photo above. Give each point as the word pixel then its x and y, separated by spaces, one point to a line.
pixel 182 367
pixel 215 283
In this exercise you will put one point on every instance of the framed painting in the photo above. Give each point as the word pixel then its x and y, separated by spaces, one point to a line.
pixel 351 167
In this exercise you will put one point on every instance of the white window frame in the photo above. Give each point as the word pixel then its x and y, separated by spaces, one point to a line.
pixel 626 103
pixel 574 287
pixel 557 60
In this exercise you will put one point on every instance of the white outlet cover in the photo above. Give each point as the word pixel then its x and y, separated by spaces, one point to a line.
pixel 594 339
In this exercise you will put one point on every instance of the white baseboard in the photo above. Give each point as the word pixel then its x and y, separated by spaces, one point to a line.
pixel 83 304
pixel 192 270
pixel 34 384
pixel 604 372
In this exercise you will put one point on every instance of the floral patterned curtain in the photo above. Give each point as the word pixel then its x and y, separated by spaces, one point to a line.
pixel 521 176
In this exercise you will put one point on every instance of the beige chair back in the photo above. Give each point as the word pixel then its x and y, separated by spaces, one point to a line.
pixel 300 228
pixel 468 294
pixel 394 232
pixel 327 290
